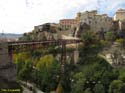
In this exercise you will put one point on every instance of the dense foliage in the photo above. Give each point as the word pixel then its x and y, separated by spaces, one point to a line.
pixel 92 73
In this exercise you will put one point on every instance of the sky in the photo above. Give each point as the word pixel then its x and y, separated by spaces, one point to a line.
pixel 20 16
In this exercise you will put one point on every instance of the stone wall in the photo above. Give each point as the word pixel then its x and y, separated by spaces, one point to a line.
pixel 7 68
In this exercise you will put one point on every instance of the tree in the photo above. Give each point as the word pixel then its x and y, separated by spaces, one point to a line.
pixel 89 75
pixel 110 36
pixel 99 88
pixel 92 46
pixel 88 37
pixel 77 83
pixel 47 70
pixel 25 72
pixel 21 60
pixel 117 86
pixel 122 74
pixel 87 91
pixel 19 66
pixel 46 62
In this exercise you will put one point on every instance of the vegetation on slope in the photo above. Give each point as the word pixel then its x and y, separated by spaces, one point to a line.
pixel 92 74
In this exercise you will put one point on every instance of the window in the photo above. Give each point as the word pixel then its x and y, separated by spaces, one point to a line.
pixel 95 22
pixel 89 22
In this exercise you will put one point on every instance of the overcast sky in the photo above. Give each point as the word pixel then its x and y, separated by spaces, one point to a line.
pixel 19 16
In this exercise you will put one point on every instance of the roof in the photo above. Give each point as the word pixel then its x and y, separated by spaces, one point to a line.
pixel 120 10
pixel 68 19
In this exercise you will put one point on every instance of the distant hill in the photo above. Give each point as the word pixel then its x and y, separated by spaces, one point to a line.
pixel 10 36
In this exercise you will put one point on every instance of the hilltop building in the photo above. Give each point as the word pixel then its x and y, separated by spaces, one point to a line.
pixel 119 15
pixel 66 24
pixel 50 27
pixel 96 21
pixel 45 31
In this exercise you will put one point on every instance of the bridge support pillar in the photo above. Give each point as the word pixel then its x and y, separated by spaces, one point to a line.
pixel 7 68
pixel 76 56
pixel 63 58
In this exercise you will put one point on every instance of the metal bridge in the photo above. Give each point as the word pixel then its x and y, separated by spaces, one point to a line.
pixel 8 48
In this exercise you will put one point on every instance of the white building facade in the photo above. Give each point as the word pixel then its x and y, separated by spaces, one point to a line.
pixel 119 15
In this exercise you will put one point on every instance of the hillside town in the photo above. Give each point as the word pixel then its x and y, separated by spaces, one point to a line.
pixel 84 20
pixel 89 20
pixel 85 54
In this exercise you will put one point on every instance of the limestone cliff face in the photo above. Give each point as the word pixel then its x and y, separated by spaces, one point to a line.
pixel 46 31
pixel 82 27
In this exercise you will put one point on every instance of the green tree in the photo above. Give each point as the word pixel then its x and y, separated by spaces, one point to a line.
pixel 92 46
pixel 99 88
pixel 122 74
pixel 88 37
pixel 25 72
pixel 19 66
pixel 86 76
pixel 47 73
pixel 117 86
pixel 20 60
pixel 87 91
pixel 77 83
pixel 110 36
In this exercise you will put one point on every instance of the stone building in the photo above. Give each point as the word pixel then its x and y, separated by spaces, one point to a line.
pixel 119 15
pixel 46 31
pixel 96 21
pixel 66 24
pixel 50 27
pixel 120 18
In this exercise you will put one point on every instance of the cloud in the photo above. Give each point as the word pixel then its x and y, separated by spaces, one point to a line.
pixel 19 16
pixel 110 6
